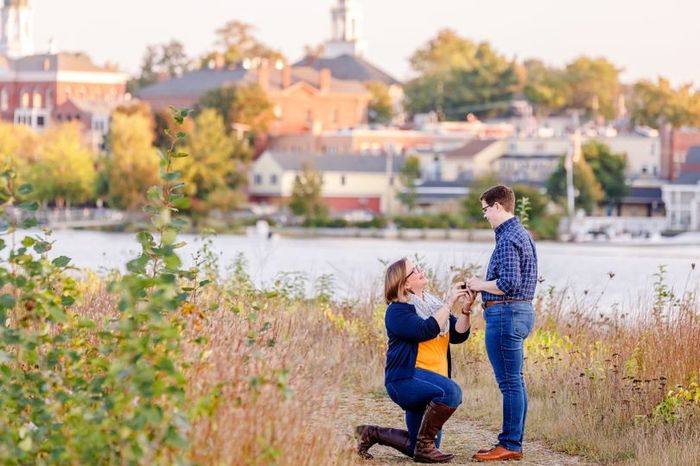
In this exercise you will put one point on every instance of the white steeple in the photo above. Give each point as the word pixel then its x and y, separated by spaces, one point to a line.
pixel 16 29
pixel 346 30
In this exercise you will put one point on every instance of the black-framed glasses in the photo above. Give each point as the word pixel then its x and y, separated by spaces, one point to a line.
pixel 414 270
pixel 485 208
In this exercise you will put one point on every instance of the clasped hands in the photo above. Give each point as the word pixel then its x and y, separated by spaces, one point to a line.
pixel 459 291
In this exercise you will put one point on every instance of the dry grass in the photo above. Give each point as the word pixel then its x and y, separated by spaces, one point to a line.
pixel 270 383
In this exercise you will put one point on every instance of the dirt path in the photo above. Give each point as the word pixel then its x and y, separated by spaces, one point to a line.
pixel 461 437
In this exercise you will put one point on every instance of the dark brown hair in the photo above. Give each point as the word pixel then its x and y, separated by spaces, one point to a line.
pixel 501 194
pixel 395 281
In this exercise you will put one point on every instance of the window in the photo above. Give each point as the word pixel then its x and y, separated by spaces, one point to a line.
pixel 342 180
pixel 257 179
pixel 36 99
pixel 273 179
pixel 48 98
pixel 24 99
pixel 4 99
pixel 40 120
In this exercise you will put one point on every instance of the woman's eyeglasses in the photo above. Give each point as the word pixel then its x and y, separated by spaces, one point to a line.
pixel 415 269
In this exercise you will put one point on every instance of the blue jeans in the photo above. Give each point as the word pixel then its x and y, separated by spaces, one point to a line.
pixel 414 394
pixel 507 326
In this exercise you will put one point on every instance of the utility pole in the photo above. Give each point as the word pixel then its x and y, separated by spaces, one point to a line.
pixel 573 155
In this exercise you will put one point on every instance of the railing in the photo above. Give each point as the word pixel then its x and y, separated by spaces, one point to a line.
pixel 78 217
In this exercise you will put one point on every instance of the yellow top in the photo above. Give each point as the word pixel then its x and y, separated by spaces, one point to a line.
pixel 432 354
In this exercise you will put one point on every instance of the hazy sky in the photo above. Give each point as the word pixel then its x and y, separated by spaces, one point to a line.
pixel 645 37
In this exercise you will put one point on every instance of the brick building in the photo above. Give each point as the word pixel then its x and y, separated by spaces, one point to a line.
pixel 33 86
pixel 303 99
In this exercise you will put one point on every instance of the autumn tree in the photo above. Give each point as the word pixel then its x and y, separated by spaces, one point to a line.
pixel 244 104
pixel 545 87
pixel 380 108
pixel 593 85
pixel 214 173
pixel 656 103
pixel 236 42
pixel 18 149
pixel 133 162
pixel 64 171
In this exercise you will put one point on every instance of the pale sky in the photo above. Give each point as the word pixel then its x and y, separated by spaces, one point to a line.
pixel 645 37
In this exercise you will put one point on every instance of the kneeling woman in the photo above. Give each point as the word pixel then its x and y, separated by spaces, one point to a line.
pixel 420 328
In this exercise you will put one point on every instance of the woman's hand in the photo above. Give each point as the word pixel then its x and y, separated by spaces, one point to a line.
pixel 469 302
pixel 457 292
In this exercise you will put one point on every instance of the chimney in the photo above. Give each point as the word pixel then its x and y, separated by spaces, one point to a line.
pixel 286 76
pixel 264 75
pixel 324 80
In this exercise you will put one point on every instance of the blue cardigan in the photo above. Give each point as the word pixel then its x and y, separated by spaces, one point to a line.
pixel 405 330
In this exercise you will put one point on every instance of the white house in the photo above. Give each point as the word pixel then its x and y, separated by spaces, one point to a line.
pixel 350 182
pixel 682 197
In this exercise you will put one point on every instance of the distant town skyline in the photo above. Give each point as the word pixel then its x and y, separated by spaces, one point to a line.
pixel 644 37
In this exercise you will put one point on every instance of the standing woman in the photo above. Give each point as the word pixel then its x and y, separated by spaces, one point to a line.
pixel 420 328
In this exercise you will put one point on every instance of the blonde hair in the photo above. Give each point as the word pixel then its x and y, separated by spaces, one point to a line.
pixel 395 281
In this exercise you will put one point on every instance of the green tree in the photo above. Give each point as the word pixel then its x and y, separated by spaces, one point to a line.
pixel 545 87
pixel 655 103
pixel 593 85
pixel 64 171
pixel 306 197
pixel 214 172
pixel 236 42
pixel 609 170
pixel 457 77
pixel 588 190
pixel 133 162
pixel 168 59
pixel 537 201
pixel 246 104
pixel 380 108
pixel 471 205
pixel 408 174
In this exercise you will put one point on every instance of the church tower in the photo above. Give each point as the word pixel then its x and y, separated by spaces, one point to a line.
pixel 16 29
pixel 346 30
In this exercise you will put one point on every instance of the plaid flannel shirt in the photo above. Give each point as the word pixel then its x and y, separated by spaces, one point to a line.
pixel 513 263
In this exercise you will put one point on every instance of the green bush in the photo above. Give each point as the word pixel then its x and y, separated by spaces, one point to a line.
pixel 77 390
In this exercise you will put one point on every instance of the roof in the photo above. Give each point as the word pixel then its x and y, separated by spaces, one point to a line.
pixel 643 194
pixel 203 80
pixel 197 81
pixel 349 67
pixel 693 155
pixel 335 162
pixel 63 61
pixel 92 106
pixel 531 156
pixel 471 149
pixel 688 178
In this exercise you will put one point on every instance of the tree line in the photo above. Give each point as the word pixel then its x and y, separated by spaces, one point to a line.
pixel 454 76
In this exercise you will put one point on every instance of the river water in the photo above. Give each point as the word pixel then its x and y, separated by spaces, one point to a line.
pixel 356 264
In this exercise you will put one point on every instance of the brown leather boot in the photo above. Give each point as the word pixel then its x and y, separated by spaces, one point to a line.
pixel 369 435
pixel 435 416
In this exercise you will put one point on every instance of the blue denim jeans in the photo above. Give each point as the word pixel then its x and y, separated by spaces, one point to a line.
pixel 414 394
pixel 507 326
